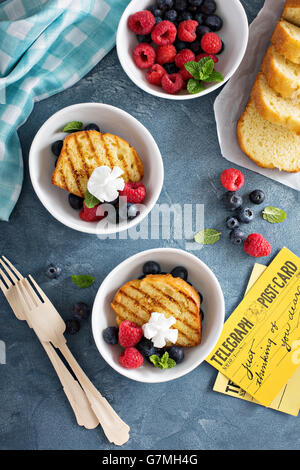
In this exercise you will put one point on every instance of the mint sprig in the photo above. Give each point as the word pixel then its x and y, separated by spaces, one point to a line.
pixel 90 201
pixel 202 71
pixel 73 126
pixel 207 236
pixel 83 280
pixel 164 362
pixel 274 215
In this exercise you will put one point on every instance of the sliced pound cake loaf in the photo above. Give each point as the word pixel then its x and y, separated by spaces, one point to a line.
pixel 273 107
pixel 267 144
pixel 281 74
pixel 286 40
pixel 291 11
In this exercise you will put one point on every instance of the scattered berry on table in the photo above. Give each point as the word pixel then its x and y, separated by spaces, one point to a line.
pixel 172 83
pixel 164 33
pixel 76 202
pixel 232 201
pixel 81 311
pixel 204 54
pixel 53 271
pixel 155 74
pixel 56 147
pixel 237 236
pixel 201 30
pixel 111 335
pixel 129 334
pixel 180 271
pixel 214 22
pixel 72 326
pixel 183 57
pixel 176 353
pixel 141 22
pixel 134 192
pixel 165 54
pixel 232 179
pixel 257 196
pixel 131 358
pixel 151 267
pixel 187 31
pixel 211 43
pixel 132 211
pixel 171 68
pixel 232 223
pixel 208 7
pixel 245 215
pixel 171 15
pixel 92 127
pixel 146 347
pixel 256 245
pixel 144 55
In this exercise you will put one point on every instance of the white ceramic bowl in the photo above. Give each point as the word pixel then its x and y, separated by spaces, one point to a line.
pixel 234 34
pixel 203 280
pixel 109 119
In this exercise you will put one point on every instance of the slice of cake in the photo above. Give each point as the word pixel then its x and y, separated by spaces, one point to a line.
pixel 291 11
pixel 286 40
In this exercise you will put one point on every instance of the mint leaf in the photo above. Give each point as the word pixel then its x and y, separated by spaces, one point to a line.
pixel 163 362
pixel 72 126
pixel 90 200
pixel 83 281
pixel 274 215
pixel 193 68
pixel 207 236
pixel 215 77
pixel 194 86
pixel 205 67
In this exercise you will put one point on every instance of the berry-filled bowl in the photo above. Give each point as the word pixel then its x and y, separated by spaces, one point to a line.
pixel 96 168
pixel 182 49
pixel 158 315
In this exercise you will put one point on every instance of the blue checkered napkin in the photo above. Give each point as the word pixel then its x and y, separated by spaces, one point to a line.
pixel 45 47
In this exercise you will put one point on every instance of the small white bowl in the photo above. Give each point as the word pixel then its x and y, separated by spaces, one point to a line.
pixel 202 279
pixel 109 119
pixel 234 34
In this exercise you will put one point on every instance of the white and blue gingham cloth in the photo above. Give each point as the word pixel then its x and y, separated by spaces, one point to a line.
pixel 45 47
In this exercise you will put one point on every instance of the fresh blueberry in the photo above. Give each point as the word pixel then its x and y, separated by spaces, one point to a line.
pixel 180 271
pixel 237 237
pixel 201 297
pixel 171 68
pixel 245 215
pixel 199 17
pixel 257 196
pixel 192 9
pixel 143 38
pixel 171 15
pixel 56 147
pixel 151 267
pixel 158 12
pixel 111 335
pixel 202 314
pixel 201 30
pixel 180 5
pixel 222 48
pixel 232 223
pixel 214 22
pixel 75 202
pixel 141 277
pixel 92 127
pixel 146 347
pixel 176 353
pixel 81 311
pixel 180 45
pixel 53 271
pixel 158 19
pixel 195 3
pixel 208 7
pixel 196 47
pixel 132 211
pixel 72 326
pixel 165 4
pixel 232 200
pixel 185 16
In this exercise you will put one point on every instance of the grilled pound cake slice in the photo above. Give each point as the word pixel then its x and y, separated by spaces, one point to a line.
pixel 267 144
pixel 162 293
pixel 84 151
pixel 286 40
pixel 274 107
pixel 291 11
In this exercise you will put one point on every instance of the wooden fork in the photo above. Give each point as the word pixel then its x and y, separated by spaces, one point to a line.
pixel 75 394
pixel 50 327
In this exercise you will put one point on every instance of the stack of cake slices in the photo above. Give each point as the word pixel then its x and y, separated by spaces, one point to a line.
pixel 269 129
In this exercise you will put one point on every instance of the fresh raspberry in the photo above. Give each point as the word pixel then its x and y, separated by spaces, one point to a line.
pixel 232 179
pixel 129 334
pixel 185 74
pixel 165 54
pixel 172 83
pixel 90 215
pixel 135 192
pixel 144 56
pixel 155 74
pixel 211 43
pixel 187 31
pixel 131 358
pixel 256 245
pixel 204 54
pixel 141 22
pixel 184 56
pixel 164 33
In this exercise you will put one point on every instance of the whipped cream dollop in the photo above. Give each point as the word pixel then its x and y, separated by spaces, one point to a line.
pixel 105 183
pixel 158 329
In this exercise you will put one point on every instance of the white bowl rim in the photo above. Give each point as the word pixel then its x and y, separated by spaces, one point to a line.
pixel 164 95
pixel 216 335
pixel 93 229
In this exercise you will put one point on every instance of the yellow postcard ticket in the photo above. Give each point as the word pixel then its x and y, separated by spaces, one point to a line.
pixel 288 399
pixel 259 348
